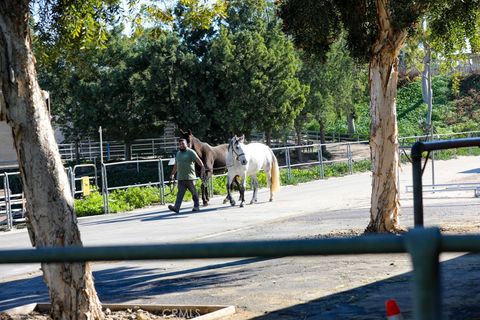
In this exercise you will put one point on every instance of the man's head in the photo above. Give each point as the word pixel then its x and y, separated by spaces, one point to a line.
pixel 182 144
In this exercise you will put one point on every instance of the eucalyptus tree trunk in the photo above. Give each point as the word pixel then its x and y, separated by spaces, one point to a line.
pixel 383 77
pixel 50 214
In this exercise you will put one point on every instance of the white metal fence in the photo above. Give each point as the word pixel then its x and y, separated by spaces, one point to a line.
pixel 12 205
pixel 114 150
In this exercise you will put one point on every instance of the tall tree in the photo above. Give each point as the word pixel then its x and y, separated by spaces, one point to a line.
pixel 51 218
pixel 376 31
pixel 253 71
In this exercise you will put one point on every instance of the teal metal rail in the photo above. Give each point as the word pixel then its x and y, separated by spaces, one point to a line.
pixel 423 245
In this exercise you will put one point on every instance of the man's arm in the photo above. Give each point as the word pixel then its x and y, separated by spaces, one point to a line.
pixel 174 171
pixel 200 163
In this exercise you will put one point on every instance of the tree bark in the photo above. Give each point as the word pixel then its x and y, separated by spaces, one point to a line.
pixel 323 141
pixel 268 137
pixel 51 220
pixel 351 124
pixel 383 77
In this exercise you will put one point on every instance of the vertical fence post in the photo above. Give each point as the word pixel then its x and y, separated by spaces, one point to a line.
pixel 161 178
pixel 7 200
pixel 320 159
pixel 5 195
pixel 432 156
pixel 416 155
pixel 424 248
pixel 106 207
pixel 89 150
pixel 350 160
pixel 210 185
pixel 398 169
pixel 289 169
pixel 8 208
pixel 72 180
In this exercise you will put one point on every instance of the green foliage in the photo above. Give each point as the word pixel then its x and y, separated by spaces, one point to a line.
pixel 119 201
pixel 141 197
pixel 411 111
pixel 90 205
pixel 315 24
pixel 252 66
pixel 465 112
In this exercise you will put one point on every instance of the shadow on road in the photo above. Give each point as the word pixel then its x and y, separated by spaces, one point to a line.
pixel 460 278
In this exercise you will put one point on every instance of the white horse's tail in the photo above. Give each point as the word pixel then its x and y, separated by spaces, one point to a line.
pixel 275 173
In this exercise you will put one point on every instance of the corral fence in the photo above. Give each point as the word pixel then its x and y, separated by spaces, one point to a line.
pixel 152 171
pixel 114 150
pixel 407 142
pixel 12 201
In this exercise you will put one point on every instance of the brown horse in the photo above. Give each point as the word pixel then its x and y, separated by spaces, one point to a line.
pixel 212 157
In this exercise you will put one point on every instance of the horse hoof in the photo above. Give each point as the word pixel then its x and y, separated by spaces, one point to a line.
pixel 232 203
pixel 251 202
pixel 225 201
pixel 271 199
pixel 205 204
pixel 241 205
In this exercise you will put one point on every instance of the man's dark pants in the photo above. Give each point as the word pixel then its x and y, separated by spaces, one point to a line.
pixel 183 185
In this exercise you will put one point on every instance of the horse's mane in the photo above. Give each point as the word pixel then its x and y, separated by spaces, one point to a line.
pixel 205 151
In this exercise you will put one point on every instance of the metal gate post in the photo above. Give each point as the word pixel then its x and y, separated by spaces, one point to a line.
pixel 106 206
pixel 9 209
pixel 424 248
pixel 320 159
pixel 289 169
pixel 416 155
pixel 350 160
pixel 72 181
pixel 162 181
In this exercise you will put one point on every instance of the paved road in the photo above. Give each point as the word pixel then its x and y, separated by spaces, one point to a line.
pixel 333 286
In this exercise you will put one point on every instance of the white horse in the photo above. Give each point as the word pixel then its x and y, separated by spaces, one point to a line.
pixel 248 159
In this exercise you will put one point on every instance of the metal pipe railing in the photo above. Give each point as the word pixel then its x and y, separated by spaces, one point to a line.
pixel 423 245
pixel 417 170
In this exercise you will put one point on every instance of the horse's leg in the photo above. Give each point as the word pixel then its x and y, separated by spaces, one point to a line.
pixel 209 179
pixel 239 186
pixel 254 183
pixel 205 180
pixel 204 194
pixel 229 195
pixel 229 187
pixel 242 190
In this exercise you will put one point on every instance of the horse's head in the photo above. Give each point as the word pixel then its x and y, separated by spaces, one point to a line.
pixel 236 146
pixel 187 135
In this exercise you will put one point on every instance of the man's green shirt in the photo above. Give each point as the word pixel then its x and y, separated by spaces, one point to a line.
pixel 186 164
